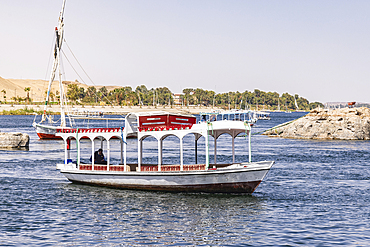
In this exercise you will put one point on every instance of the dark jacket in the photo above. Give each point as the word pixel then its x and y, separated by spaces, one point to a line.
pixel 99 159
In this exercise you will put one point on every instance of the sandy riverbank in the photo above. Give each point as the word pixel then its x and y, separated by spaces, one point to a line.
pixel 38 88
pixel 110 109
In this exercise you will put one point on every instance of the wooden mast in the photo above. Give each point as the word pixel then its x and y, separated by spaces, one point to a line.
pixel 56 66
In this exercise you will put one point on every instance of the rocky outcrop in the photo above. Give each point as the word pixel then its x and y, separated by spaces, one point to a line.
pixel 14 140
pixel 339 124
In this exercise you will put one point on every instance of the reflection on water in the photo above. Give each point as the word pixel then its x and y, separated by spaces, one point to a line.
pixel 317 194
pixel 165 218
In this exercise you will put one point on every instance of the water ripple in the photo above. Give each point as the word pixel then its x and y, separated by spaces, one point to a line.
pixel 317 194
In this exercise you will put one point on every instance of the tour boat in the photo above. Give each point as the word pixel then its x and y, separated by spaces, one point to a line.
pixel 233 114
pixel 48 131
pixel 232 177
pixel 261 115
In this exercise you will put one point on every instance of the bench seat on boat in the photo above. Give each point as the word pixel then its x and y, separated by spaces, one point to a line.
pixel 144 168
pixel 171 168
pixel 98 167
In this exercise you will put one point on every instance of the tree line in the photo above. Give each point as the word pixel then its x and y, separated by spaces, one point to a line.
pixel 26 99
pixel 162 96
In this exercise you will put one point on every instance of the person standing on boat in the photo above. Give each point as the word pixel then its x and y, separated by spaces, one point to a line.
pixel 99 157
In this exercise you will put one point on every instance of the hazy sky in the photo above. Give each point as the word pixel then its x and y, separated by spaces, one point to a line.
pixel 317 49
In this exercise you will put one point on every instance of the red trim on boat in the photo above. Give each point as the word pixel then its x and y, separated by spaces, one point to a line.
pixel 246 187
pixel 48 136
pixel 54 137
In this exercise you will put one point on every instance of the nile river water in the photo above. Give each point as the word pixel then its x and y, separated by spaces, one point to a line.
pixel 317 194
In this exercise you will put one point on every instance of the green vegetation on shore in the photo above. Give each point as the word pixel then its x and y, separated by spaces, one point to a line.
pixel 162 96
pixel 24 111
pixel 190 96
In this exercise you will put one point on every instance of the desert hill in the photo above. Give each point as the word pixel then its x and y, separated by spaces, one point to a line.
pixel 15 88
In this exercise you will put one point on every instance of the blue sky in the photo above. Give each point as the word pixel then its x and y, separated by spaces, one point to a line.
pixel 317 49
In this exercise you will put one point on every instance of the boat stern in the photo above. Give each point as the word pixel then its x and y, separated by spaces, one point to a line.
pixel 66 167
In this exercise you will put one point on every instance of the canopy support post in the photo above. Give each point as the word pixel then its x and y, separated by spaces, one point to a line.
pixel 93 154
pixel 181 156
pixel 196 151
pixel 68 148
pixel 250 146
pixel 233 144
pixel 125 154
pixel 207 150
pixel 108 156
pixel 78 153
pixel 160 147
pixel 140 153
pixel 66 151
pixel 121 142
pixel 215 155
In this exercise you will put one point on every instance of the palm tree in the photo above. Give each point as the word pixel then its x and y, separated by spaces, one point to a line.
pixel 73 92
pixel 52 96
pixel 57 96
pixel 27 89
pixel 4 92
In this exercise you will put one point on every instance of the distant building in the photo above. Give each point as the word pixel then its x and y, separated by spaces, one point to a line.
pixel 177 98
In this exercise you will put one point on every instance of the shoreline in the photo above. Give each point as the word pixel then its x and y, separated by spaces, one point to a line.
pixel 107 110
pixel 25 109
pixel 324 124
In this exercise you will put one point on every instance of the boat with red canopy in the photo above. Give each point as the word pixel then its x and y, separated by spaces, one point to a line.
pixel 210 176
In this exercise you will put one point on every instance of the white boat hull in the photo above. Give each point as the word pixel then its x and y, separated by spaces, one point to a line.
pixel 238 178
pixel 46 131
pixel 49 132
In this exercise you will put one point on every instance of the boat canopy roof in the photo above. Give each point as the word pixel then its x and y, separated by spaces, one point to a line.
pixel 149 120
pixel 263 113
pixel 157 113
pixel 235 111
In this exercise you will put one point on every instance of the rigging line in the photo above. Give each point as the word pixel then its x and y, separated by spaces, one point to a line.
pixel 61 72
pixel 63 75
pixel 47 69
pixel 73 67
pixel 65 41
pixel 51 51
pixel 79 74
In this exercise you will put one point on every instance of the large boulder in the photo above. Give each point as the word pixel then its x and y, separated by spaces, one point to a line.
pixel 14 140
pixel 339 124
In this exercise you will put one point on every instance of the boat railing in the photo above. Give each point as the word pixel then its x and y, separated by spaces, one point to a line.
pixel 91 130
pixel 164 128
pixel 99 167
pixel 171 168
pixel 144 168
pixel 76 113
